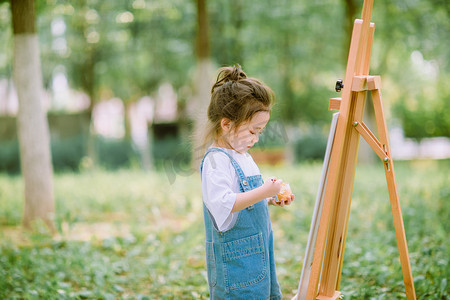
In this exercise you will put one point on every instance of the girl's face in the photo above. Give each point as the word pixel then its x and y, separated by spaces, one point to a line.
pixel 241 139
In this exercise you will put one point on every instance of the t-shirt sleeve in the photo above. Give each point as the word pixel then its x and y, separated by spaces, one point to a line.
pixel 218 176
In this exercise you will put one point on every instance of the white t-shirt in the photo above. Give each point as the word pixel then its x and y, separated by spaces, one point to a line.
pixel 220 184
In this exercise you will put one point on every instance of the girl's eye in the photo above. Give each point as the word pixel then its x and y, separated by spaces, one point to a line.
pixel 252 132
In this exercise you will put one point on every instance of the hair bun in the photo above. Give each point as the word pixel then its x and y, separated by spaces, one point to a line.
pixel 236 73
pixel 229 74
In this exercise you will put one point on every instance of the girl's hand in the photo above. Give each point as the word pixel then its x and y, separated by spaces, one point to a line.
pixel 271 187
pixel 272 200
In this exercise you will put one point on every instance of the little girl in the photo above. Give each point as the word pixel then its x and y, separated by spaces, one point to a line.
pixel 239 239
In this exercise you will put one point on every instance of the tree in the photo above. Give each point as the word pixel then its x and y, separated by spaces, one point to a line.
pixel 351 10
pixel 203 75
pixel 32 124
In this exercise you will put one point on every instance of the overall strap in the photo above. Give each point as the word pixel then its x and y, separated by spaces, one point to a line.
pixel 242 178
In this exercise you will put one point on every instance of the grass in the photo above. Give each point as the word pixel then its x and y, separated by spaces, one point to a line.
pixel 132 235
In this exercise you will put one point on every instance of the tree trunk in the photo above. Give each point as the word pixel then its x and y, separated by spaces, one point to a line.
pixel 33 132
pixel 88 84
pixel 202 31
pixel 350 15
pixel 202 80
pixel 127 105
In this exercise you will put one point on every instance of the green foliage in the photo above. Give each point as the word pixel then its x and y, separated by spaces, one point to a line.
pixel 310 146
pixel 414 62
pixel 131 234
pixel 67 153
pixel 425 116
pixel 9 157
pixel 171 149
pixel 115 153
pixel 124 49
pixel 6 40
pixel 299 48
pixel 276 44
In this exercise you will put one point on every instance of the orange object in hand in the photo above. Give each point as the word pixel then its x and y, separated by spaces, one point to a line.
pixel 284 193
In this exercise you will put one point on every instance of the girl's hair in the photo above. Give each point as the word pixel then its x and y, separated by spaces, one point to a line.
pixel 236 97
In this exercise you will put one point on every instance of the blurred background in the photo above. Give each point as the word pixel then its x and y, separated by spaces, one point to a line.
pixel 125 80
pixel 125 84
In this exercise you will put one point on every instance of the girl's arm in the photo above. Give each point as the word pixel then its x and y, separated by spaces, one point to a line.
pixel 269 189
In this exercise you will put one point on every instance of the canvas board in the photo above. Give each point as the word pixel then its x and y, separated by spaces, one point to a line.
pixel 309 253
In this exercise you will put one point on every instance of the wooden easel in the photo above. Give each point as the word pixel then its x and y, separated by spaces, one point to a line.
pixel 327 239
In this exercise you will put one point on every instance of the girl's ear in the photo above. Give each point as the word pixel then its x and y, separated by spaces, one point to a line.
pixel 225 124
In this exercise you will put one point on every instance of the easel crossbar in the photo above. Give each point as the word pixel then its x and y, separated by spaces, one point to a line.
pixel 370 138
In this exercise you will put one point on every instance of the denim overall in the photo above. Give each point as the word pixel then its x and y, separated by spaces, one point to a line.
pixel 240 261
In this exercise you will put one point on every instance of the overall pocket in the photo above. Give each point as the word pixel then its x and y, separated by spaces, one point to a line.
pixel 244 261
pixel 211 264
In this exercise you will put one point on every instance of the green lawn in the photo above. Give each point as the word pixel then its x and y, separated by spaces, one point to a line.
pixel 132 235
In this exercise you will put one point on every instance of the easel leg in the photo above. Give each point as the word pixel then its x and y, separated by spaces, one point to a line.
pixel 393 196
pixel 337 232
